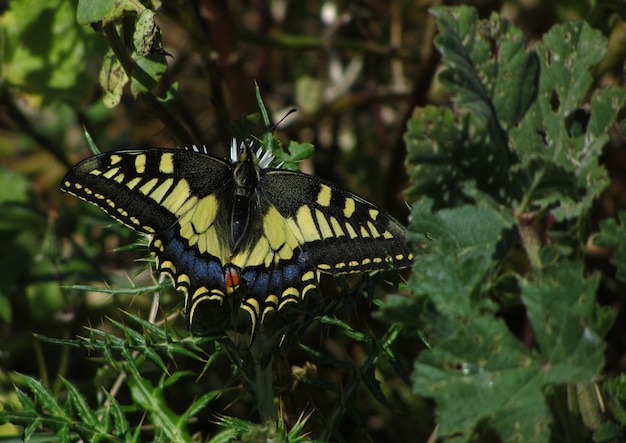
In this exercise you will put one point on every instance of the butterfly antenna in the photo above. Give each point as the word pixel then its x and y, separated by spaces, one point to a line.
pixel 275 126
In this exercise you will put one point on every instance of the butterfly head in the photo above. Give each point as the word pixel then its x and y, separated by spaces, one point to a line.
pixel 244 152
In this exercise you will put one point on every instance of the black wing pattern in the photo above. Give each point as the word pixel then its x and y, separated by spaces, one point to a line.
pixel 292 226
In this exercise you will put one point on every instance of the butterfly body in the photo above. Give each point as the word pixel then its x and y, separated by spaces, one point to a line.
pixel 219 226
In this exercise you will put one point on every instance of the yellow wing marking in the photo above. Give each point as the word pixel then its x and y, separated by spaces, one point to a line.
pixel 304 220
pixel 133 182
pixel 166 163
pixel 148 186
pixel 140 163
pixel 253 308
pixel 324 227
pixel 202 216
pixel 373 229
pixel 336 227
pixel 161 191
pixel 260 254
pixel 278 242
pixel 111 173
pixel 295 229
pixel 271 303
pixel 177 196
pixel 115 159
pixel 274 229
pixel 324 196
pixel 349 207
pixel 197 225
pixel 351 232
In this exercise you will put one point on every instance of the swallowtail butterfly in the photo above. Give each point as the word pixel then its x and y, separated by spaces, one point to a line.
pixel 217 226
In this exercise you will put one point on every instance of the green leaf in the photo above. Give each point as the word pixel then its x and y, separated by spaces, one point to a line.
pixel 613 236
pixel 45 51
pixel 458 246
pixel 550 155
pixel 147 36
pixel 92 11
pixel 150 398
pixel 113 78
pixel 114 411
pixel 44 396
pixel 146 72
pixel 476 356
pixel 295 152
pixel 80 405
pixel 479 230
pixel 433 141
pixel 495 80
pixel 488 67
pixel 561 127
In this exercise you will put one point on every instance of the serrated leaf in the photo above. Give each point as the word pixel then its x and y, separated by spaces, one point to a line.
pixel 612 235
pixel 487 66
pixel 368 377
pixel 200 404
pixel 44 396
pixel 456 260
pixel 495 79
pixel 80 405
pixel 150 398
pixel 556 128
pixel 433 139
pixel 392 354
pixel 114 411
pixel 469 230
pixel 225 436
pixel 475 356
pixel 560 303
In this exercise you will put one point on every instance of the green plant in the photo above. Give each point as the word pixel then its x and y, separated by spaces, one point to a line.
pixel 503 318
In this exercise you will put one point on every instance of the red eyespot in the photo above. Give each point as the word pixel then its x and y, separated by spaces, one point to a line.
pixel 231 277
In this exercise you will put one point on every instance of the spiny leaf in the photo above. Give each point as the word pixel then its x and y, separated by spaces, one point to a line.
pixel 150 398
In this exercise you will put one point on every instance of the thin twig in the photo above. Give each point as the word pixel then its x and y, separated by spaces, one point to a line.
pixel 314 43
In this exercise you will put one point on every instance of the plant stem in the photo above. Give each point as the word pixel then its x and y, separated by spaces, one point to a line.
pixel 134 71
pixel 263 387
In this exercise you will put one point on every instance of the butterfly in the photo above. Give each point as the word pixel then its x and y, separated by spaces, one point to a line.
pixel 223 227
